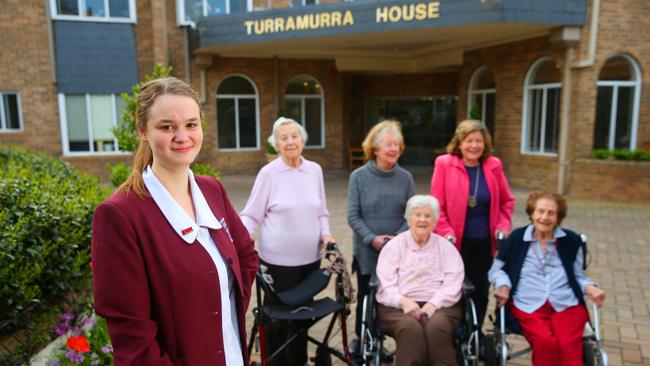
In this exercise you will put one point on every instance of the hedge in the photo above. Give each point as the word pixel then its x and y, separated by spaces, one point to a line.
pixel 46 209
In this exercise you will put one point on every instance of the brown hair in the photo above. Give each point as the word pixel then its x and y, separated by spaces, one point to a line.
pixel 371 142
pixel 531 203
pixel 465 128
pixel 143 156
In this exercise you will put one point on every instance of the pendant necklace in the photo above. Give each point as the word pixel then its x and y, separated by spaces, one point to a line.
pixel 472 198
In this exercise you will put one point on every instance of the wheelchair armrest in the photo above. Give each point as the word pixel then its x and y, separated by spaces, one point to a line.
pixel 305 290
pixel 468 287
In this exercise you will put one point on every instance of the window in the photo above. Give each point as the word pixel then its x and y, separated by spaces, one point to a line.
pixel 94 10
pixel 481 98
pixel 303 102
pixel 87 120
pixel 10 119
pixel 617 104
pixel 190 11
pixel 541 113
pixel 237 117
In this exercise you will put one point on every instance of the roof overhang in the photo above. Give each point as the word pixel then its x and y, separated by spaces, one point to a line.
pixel 386 36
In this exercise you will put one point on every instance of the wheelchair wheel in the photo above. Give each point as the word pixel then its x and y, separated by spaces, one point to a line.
pixel 490 350
pixel 368 342
pixel 588 355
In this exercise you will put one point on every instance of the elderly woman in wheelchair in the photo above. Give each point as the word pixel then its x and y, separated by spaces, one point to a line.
pixel 420 285
pixel 538 276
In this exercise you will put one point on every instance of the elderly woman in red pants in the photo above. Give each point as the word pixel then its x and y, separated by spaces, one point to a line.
pixel 539 275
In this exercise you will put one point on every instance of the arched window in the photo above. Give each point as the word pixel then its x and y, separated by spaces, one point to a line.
pixel 541 115
pixel 481 97
pixel 617 104
pixel 237 114
pixel 303 101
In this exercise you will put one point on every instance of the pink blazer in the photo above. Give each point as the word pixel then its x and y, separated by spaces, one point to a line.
pixel 159 295
pixel 450 185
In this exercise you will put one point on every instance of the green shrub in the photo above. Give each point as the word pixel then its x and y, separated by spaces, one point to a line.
pixel 46 209
pixel 270 149
pixel 205 169
pixel 600 154
pixel 119 173
pixel 634 155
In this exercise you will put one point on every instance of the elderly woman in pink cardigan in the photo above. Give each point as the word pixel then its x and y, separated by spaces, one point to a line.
pixel 475 203
pixel 420 284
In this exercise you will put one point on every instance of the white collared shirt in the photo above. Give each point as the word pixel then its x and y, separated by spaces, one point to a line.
pixel 205 219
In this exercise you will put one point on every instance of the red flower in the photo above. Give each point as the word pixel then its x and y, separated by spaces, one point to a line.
pixel 79 344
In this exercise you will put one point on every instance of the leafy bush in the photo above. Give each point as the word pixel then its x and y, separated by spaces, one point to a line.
pixel 637 155
pixel 270 149
pixel 46 209
pixel 205 169
pixel 119 173
pixel 600 154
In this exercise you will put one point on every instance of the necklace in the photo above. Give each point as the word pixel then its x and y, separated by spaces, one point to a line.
pixel 543 259
pixel 472 198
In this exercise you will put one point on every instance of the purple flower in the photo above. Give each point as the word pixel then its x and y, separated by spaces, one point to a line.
pixel 94 359
pixel 89 321
pixel 107 349
pixel 53 362
pixel 61 329
pixel 74 356
pixel 67 316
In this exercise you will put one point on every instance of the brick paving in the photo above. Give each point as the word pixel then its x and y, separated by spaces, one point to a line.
pixel 619 259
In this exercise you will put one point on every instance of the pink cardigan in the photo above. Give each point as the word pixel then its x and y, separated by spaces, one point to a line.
pixel 450 185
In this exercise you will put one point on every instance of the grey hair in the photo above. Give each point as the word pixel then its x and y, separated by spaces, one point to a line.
pixel 422 200
pixel 282 121
pixel 388 129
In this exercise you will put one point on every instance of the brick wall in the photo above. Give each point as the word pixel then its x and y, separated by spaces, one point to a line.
pixel 509 64
pixel 260 71
pixel 26 68
pixel 620 181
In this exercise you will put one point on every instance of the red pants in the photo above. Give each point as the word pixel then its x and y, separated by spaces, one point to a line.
pixel 555 337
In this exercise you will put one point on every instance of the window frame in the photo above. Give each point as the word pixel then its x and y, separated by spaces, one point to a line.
pixel 180 11
pixel 3 122
pixel 528 88
pixel 84 18
pixel 237 97
pixel 65 142
pixel 471 92
pixel 302 98
pixel 615 84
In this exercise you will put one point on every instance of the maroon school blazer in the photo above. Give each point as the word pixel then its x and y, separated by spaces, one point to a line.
pixel 158 294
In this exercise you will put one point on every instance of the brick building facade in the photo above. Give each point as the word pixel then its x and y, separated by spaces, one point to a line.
pixel 529 70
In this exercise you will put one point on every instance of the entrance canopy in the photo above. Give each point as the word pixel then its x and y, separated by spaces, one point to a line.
pixel 384 36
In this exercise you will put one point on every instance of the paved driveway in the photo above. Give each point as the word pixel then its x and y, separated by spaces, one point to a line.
pixel 619 260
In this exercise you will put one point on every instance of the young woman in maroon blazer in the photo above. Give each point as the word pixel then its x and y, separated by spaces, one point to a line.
pixel 173 265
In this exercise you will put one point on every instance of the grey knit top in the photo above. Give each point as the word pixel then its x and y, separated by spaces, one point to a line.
pixel 376 204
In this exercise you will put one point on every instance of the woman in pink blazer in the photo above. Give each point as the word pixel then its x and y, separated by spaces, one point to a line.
pixel 475 202
pixel 173 265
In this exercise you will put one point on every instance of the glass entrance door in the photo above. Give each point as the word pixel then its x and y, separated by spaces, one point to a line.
pixel 428 123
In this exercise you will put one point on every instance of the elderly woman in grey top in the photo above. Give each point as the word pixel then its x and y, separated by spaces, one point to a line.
pixel 377 198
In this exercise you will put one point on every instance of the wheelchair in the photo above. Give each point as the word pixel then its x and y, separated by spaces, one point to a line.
pixel 499 351
pixel 297 304
pixel 465 339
